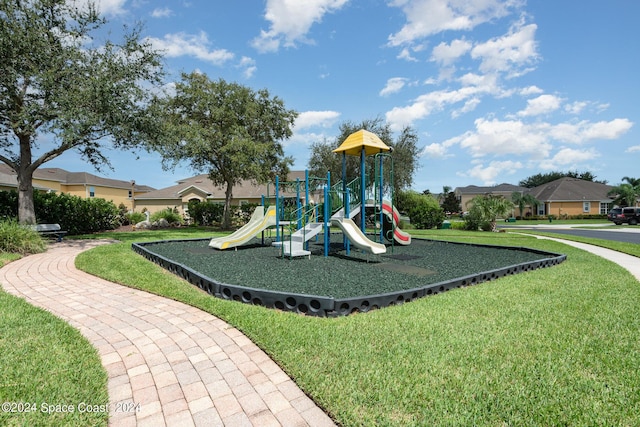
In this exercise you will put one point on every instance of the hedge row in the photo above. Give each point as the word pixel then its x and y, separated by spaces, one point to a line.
pixel 74 214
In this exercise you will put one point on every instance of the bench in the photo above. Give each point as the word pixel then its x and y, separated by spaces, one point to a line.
pixel 50 230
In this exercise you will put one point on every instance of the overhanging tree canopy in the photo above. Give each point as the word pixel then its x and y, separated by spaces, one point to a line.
pixel 59 91
pixel 226 130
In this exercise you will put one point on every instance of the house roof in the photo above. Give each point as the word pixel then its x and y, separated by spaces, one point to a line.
pixel 571 189
pixel 201 183
pixel 77 178
pixel 500 188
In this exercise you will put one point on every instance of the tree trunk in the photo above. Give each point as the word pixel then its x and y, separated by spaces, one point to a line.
pixel 26 208
pixel 226 214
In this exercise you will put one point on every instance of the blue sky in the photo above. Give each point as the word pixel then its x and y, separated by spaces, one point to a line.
pixel 497 91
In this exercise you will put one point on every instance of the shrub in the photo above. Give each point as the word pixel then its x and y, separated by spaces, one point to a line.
pixel 170 215
pixel 75 214
pixel 132 218
pixel 423 210
pixel 205 213
pixel 8 204
pixel 16 238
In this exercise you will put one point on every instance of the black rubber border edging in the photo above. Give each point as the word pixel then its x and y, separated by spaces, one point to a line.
pixel 320 306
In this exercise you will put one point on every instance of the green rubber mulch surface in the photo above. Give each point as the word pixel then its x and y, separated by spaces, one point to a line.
pixel 340 275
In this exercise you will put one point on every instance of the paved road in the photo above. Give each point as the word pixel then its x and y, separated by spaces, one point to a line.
pixel 629 235
pixel 618 236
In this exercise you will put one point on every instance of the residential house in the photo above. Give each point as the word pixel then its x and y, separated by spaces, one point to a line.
pixel 562 197
pixel 572 196
pixel 80 184
pixel 201 188
pixel 465 194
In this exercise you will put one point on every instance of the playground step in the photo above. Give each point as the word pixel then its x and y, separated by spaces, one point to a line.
pixel 294 249
pixel 307 232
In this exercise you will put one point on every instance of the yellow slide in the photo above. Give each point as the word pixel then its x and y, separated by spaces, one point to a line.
pixel 259 221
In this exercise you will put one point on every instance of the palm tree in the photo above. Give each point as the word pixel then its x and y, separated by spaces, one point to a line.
pixel 489 207
pixel 624 194
pixel 445 190
pixel 521 200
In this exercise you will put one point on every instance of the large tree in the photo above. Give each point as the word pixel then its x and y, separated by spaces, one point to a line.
pixel 404 154
pixel 227 130
pixel 60 91
pixel 543 178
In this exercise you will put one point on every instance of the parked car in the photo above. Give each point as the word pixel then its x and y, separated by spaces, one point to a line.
pixel 629 215
pixel 613 214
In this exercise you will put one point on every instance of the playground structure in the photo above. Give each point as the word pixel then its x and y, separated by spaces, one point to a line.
pixel 340 204
pixel 348 287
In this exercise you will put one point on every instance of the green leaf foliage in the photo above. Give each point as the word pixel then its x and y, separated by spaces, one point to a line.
pixel 404 154
pixel 74 214
pixel 226 130
pixel 423 210
pixel 60 84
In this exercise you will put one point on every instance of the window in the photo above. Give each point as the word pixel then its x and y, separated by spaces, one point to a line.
pixel 92 191
pixel 605 208
pixel 586 207
pixel 130 193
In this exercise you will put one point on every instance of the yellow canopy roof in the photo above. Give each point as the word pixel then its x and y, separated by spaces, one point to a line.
pixel 362 138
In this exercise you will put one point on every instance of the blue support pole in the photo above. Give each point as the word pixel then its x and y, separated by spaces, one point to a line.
pixel 347 201
pixel 306 187
pixel 299 216
pixel 381 202
pixel 277 210
pixel 327 202
pixel 363 181
pixel 344 187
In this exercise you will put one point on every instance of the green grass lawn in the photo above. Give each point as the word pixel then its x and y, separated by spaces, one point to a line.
pixel 556 346
pixel 45 362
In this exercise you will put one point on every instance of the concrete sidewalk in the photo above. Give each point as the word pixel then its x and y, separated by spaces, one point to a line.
pixel 182 366
pixel 631 263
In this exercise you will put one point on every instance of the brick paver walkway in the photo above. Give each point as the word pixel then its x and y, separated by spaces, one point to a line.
pixel 182 366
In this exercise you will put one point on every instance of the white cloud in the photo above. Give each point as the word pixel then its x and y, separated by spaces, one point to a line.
pixel 543 104
pixel 633 149
pixel 435 101
pixel 394 85
pixel 576 107
pixel 447 54
pixel 291 21
pixel 104 7
pixel 531 90
pixel 164 12
pixel 568 158
pixel 488 174
pixel 248 65
pixel 195 45
pixel 435 151
pixel 468 106
pixel 405 54
pixel 504 138
pixel 309 119
pixel 428 17
pixel 509 53
pixel 585 131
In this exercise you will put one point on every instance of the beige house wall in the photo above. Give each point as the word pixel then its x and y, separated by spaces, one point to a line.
pixel 54 185
pixel 156 205
pixel 573 208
